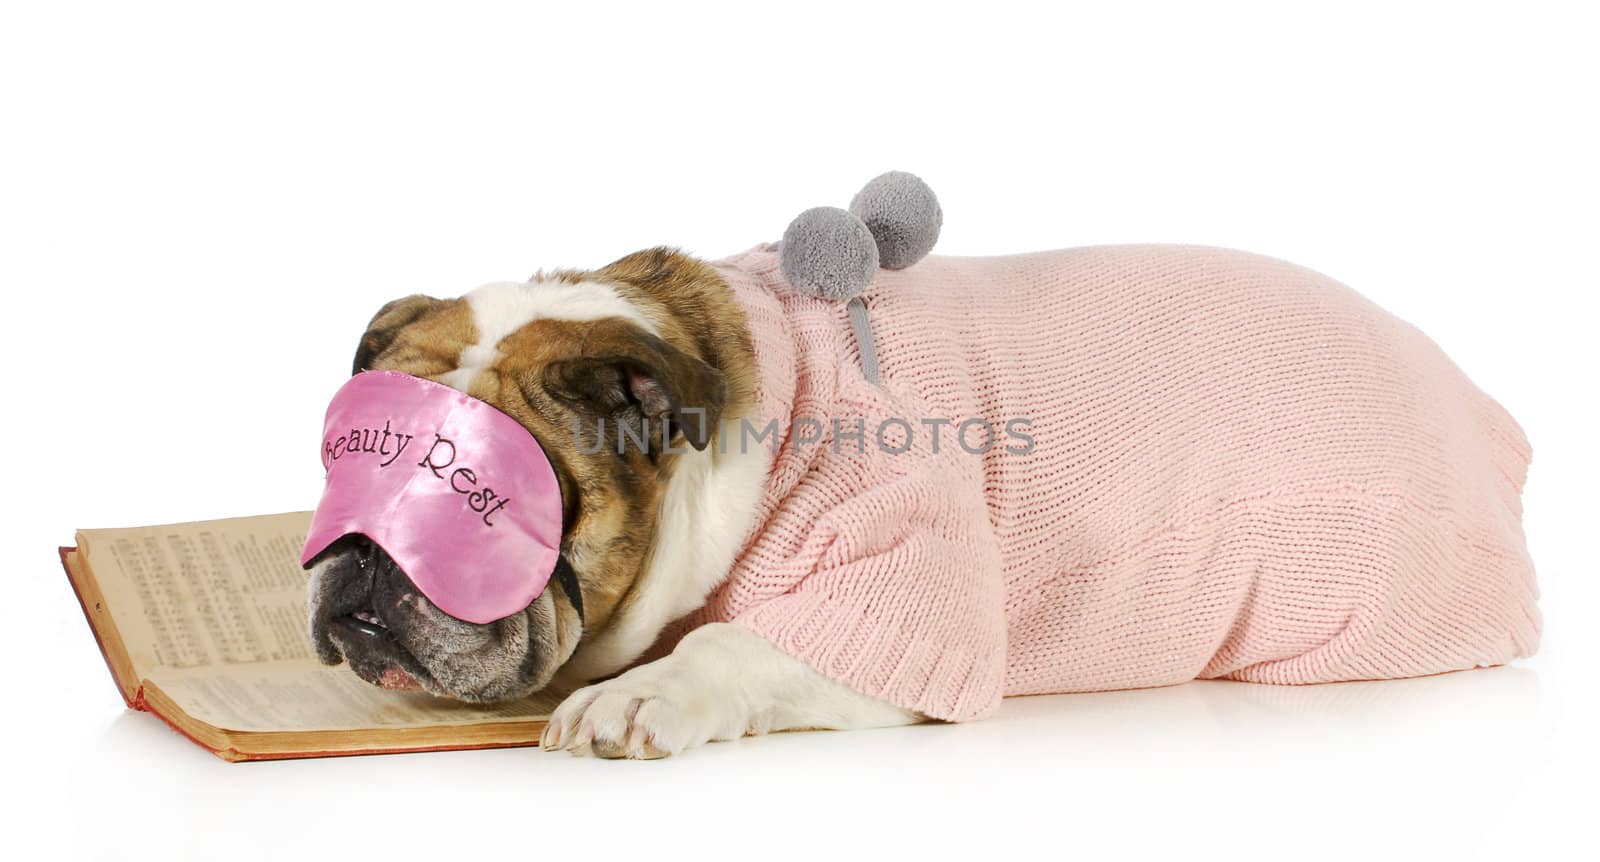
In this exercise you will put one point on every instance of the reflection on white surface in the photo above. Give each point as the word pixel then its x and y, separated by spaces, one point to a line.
pixel 1201 718
pixel 1445 766
pixel 1226 709
pixel 1194 715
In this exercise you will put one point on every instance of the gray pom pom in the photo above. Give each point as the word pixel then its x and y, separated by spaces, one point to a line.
pixel 828 252
pixel 903 215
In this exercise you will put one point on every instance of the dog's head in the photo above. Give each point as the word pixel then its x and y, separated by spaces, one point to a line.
pixel 653 336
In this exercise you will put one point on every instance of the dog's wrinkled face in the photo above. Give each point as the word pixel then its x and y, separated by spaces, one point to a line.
pixel 366 612
pixel 560 355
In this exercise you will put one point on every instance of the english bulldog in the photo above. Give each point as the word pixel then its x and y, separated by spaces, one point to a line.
pixel 1072 471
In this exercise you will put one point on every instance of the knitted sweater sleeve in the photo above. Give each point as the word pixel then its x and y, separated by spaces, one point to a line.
pixel 900 593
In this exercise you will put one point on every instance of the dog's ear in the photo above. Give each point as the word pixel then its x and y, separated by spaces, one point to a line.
pixel 623 371
pixel 386 324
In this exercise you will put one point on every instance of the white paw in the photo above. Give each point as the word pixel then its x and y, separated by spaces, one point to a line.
pixel 647 713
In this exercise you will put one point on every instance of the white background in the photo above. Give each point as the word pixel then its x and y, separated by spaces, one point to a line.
pixel 201 206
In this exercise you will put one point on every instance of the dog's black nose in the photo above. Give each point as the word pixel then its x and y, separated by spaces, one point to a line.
pixel 349 575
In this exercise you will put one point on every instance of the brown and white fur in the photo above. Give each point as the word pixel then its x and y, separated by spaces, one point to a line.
pixel 650 532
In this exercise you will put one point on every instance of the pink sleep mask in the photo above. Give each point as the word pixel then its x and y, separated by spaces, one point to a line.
pixel 458 494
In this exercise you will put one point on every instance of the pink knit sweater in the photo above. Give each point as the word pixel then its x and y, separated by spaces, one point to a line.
pixel 1241 469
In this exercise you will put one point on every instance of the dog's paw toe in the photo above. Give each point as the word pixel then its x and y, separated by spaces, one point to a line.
pixel 623 719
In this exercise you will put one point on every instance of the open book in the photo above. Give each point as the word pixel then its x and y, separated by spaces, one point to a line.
pixel 204 625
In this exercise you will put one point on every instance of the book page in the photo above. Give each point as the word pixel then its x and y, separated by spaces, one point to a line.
pixel 206 594
pixel 295 696
pixel 214 612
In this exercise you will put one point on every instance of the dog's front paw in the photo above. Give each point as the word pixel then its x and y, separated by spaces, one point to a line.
pixel 647 713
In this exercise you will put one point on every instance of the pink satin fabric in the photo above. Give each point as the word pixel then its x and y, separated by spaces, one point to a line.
pixel 460 495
